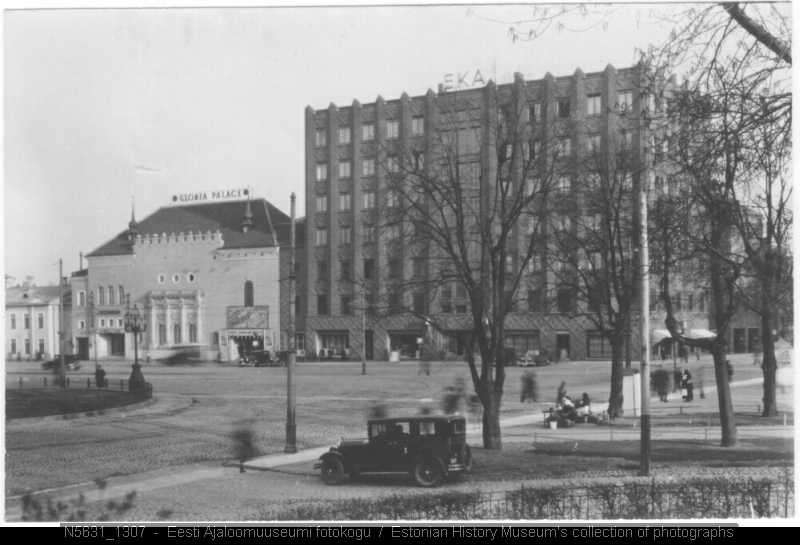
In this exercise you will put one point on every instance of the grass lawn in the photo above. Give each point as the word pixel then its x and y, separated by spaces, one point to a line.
pixel 37 402
pixel 551 460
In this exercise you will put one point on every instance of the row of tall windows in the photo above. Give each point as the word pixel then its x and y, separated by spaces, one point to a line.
pixel 26 320
pixel 177 334
pixel 114 298
pixel 368 131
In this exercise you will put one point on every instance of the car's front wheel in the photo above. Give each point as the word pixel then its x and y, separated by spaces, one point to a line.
pixel 332 471
pixel 428 472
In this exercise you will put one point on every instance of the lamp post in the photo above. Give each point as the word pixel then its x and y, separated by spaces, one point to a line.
pixel 135 323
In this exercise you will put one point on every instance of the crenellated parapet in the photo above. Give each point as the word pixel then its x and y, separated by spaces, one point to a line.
pixel 213 239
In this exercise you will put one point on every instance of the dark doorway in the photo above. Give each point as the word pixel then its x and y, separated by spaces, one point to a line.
pixel 562 343
pixel 368 353
pixel 117 344
pixel 83 348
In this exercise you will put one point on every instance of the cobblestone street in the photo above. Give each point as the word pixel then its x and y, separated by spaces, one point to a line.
pixel 172 452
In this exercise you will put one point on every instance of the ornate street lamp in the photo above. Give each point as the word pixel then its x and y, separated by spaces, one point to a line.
pixel 135 323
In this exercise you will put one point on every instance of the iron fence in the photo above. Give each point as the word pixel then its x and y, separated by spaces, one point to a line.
pixel 697 497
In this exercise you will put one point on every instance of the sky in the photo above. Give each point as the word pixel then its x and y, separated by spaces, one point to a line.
pixel 104 107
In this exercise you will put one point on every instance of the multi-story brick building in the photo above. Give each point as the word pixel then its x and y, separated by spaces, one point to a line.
pixel 210 275
pixel 349 166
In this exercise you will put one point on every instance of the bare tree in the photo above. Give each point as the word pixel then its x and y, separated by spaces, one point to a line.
pixel 728 136
pixel 592 248
pixel 461 214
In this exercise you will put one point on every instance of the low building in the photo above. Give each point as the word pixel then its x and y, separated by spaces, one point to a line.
pixel 32 321
pixel 209 278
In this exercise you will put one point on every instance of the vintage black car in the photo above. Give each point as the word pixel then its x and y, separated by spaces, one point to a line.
pixel 71 362
pixel 259 358
pixel 428 447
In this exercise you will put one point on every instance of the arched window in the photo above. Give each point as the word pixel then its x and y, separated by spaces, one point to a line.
pixel 110 295
pixel 248 294
pixel 192 333
pixel 162 334
pixel 121 296
pixel 101 296
pixel 176 336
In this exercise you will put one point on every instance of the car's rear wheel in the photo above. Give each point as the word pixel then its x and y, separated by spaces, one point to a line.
pixel 428 473
pixel 332 471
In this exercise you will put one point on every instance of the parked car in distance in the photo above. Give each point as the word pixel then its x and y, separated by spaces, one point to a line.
pixel 258 358
pixel 71 362
pixel 430 448
pixel 535 358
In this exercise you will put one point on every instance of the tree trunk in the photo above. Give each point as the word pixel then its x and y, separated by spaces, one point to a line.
pixel 769 363
pixel 727 423
pixel 615 400
pixel 492 437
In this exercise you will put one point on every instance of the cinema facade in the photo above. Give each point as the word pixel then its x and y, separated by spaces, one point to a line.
pixel 210 272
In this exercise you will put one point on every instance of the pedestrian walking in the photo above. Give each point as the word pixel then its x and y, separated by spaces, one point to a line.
pixel 100 376
pixel 729 369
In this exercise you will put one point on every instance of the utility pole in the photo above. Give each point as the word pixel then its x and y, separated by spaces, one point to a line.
pixel 291 427
pixel 644 259
pixel 61 331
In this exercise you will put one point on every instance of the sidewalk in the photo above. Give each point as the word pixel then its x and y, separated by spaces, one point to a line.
pixel 179 483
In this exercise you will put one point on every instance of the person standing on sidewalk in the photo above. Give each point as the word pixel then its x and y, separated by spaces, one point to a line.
pixel 686 382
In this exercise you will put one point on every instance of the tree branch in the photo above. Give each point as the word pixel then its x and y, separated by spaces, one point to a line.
pixel 758 32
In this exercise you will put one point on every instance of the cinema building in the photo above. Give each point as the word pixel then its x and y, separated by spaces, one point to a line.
pixel 211 277
pixel 352 155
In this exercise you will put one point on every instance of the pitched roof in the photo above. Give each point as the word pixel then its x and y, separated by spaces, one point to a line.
pixel 20 295
pixel 225 216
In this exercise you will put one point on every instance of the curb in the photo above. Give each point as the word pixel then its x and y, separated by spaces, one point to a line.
pixel 74 416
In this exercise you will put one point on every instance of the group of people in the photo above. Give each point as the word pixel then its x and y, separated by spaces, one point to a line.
pixel 571 410
pixel 330 353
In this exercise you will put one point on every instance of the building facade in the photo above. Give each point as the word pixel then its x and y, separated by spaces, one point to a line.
pixel 207 276
pixel 349 166
pixel 33 321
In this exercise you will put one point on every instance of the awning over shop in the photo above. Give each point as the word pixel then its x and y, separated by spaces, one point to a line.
pixel 701 334
pixel 660 334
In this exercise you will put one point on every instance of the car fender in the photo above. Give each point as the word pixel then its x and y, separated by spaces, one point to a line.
pixel 333 453
pixel 428 455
